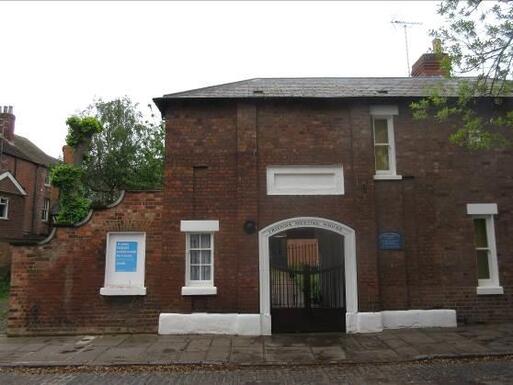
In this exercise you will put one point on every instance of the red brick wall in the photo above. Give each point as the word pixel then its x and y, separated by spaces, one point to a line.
pixel 55 287
pixel 216 158
pixel 431 210
pixel 435 269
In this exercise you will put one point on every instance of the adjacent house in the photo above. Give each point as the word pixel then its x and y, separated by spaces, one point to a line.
pixel 25 192
pixel 290 205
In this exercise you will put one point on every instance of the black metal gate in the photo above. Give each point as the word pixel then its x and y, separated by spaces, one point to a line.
pixel 307 284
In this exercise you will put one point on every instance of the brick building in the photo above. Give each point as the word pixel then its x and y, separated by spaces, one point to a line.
pixel 25 192
pixel 288 205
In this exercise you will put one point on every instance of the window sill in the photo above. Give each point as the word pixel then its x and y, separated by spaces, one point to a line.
pixel 123 291
pixel 4 219
pixel 199 290
pixel 490 290
pixel 388 177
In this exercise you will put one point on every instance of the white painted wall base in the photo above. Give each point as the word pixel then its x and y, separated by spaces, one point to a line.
pixel 212 323
pixel 399 319
pixel 260 324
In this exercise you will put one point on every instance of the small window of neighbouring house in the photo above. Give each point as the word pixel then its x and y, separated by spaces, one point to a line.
pixel 4 207
pixel 47 179
pixel 45 210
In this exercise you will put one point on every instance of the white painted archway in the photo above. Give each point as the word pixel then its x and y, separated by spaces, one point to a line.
pixel 349 263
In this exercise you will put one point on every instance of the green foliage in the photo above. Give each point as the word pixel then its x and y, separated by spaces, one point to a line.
pixel 81 129
pixel 127 154
pixel 123 150
pixel 73 203
pixel 478 37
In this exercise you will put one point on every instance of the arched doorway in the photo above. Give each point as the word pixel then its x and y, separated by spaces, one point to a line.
pixel 293 281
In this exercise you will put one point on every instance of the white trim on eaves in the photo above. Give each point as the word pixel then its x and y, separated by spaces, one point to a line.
pixel 7 174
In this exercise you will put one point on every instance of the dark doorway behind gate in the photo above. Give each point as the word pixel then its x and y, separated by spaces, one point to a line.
pixel 307 281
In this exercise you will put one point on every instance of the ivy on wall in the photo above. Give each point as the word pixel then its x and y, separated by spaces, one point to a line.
pixel 73 204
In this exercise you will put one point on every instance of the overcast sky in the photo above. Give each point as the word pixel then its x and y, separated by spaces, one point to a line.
pixel 57 57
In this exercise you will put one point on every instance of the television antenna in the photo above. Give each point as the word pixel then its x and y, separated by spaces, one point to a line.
pixel 406 25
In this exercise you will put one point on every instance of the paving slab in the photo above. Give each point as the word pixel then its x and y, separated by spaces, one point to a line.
pixel 198 345
pixel 389 346
pixel 192 357
pixel 117 355
pixel 328 353
pixel 289 355
pixel 218 355
pixel 247 355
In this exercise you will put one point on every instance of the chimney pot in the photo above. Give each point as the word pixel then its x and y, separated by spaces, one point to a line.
pixel 7 119
pixel 437 46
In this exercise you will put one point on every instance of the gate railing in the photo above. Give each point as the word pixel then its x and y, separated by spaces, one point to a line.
pixel 305 286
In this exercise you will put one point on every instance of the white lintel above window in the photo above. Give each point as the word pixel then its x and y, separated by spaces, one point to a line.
pixel 200 226
pixel 305 180
pixel 384 110
pixel 482 209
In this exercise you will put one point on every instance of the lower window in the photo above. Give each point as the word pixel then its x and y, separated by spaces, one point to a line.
pixel 200 248
pixel 199 257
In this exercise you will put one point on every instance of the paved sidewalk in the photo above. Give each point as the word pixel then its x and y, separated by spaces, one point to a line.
pixel 144 349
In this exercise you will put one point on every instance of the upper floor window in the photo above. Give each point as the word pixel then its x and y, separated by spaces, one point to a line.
pixel 485 248
pixel 4 207
pixel 45 210
pixel 47 178
pixel 384 141
pixel 384 149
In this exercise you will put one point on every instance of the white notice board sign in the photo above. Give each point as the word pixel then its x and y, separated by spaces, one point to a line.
pixel 124 264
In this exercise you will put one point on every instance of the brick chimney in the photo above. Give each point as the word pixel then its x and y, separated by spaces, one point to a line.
pixel 7 122
pixel 430 64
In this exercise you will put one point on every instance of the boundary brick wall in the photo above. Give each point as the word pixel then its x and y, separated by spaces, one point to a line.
pixel 55 286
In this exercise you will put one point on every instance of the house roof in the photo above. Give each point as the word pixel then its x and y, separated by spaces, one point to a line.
pixel 23 148
pixel 322 88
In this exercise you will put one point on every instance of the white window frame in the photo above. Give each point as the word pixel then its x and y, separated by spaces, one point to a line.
pixel 385 112
pixel 6 203
pixel 486 211
pixel 198 282
pixel 124 283
pixel 392 168
pixel 199 287
pixel 45 210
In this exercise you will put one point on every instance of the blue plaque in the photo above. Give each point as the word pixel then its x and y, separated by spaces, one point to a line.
pixel 390 241
pixel 126 257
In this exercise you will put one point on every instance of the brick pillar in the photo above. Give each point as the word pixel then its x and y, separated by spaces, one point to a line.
pixel 247 210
